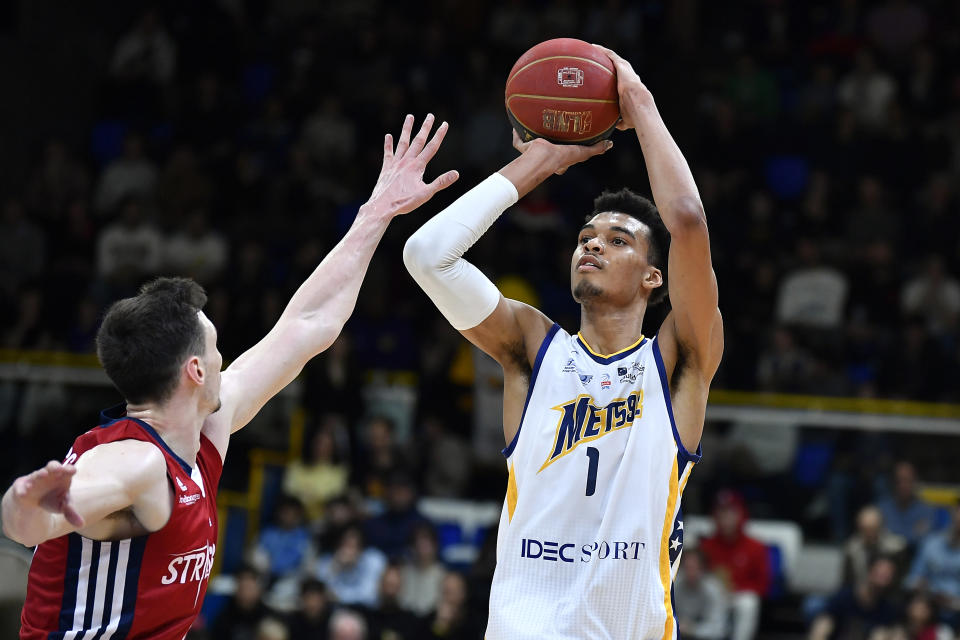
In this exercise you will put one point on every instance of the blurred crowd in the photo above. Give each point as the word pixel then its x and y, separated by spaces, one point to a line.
pixel 234 142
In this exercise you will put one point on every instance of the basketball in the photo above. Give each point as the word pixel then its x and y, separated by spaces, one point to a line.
pixel 564 90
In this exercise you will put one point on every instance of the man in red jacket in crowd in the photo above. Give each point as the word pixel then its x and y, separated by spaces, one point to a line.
pixel 743 562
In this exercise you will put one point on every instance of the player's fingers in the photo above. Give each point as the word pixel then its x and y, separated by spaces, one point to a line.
pixel 443 181
pixel 404 143
pixel 596 149
pixel 518 144
pixel 417 145
pixel 431 149
pixel 387 148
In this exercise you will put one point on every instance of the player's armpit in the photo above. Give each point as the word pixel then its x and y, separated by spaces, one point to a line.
pixel 127 474
pixel 511 334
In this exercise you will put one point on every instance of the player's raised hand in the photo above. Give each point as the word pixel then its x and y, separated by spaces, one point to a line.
pixel 48 488
pixel 400 188
pixel 562 156
pixel 633 93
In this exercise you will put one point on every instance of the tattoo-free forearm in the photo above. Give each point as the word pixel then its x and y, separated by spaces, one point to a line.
pixel 327 298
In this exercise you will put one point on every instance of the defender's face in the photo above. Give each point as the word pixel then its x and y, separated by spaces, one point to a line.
pixel 212 362
pixel 610 260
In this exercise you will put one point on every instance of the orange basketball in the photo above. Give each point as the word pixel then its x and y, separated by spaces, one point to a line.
pixel 564 90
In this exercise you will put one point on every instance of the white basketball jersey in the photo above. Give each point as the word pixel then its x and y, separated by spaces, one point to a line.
pixel 591 530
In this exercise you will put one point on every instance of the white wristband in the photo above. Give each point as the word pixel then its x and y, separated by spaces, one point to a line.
pixel 433 255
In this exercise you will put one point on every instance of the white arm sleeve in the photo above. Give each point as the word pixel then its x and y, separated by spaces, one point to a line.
pixel 434 254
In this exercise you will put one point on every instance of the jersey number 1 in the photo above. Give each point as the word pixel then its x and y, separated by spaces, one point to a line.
pixel 593 455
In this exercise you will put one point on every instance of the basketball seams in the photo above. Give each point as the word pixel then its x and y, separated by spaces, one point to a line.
pixel 566 57
pixel 556 99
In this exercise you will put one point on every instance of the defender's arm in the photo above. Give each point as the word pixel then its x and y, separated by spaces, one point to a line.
pixel 321 306
pixel 61 498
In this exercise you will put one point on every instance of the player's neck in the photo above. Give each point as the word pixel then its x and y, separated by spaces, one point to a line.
pixel 178 421
pixel 607 329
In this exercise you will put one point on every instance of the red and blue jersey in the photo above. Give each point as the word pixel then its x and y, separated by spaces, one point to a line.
pixel 150 586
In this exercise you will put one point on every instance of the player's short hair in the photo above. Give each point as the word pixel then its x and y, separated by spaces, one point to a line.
pixel 636 206
pixel 144 339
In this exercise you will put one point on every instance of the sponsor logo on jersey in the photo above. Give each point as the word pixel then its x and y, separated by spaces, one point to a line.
pixel 191 566
pixel 605 382
pixel 585 379
pixel 570 367
pixel 632 374
pixel 581 420
pixel 570 552
pixel 190 499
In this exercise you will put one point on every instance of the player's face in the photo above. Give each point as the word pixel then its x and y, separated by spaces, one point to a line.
pixel 610 261
pixel 212 361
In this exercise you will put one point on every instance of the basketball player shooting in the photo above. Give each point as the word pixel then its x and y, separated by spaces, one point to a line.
pixel 602 428
pixel 127 524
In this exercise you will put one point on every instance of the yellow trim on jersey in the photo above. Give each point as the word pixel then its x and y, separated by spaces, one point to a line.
pixel 511 493
pixel 665 573
pixel 608 355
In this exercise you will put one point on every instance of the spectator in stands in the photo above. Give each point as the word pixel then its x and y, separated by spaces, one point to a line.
pixel 452 617
pixel 241 616
pixel 919 622
pixel 352 571
pixel 785 366
pixel 284 546
pixel 392 530
pixel 868 91
pixel 871 540
pixel 195 250
pixel 813 294
pixel 146 53
pixel 702 602
pixel 347 624
pixel 130 175
pixel 57 182
pixel 423 574
pixel 272 629
pixel 379 458
pixel 388 619
pixel 321 476
pixel 22 247
pixel 904 513
pixel 447 461
pixel 312 617
pixel 742 561
pixel 183 186
pixel 854 613
pixel 933 295
pixel 936 569
pixel 128 250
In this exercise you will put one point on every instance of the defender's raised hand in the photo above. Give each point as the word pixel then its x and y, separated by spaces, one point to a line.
pixel 400 188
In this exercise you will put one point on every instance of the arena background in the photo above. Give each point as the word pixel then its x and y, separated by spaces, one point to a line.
pixel 233 141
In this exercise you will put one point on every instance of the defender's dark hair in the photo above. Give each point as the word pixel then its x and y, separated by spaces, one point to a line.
pixel 636 206
pixel 144 339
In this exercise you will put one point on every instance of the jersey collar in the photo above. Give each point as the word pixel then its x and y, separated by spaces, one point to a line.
pixel 612 357
pixel 118 412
